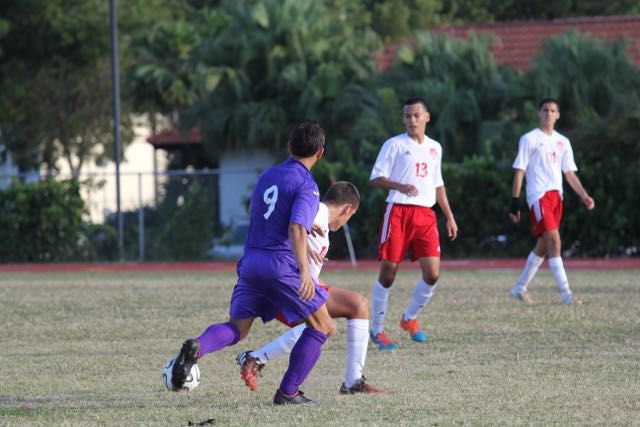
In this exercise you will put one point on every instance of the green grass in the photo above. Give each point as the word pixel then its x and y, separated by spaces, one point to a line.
pixel 88 349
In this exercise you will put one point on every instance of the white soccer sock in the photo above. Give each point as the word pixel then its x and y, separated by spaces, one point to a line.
pixel 422 293
pixel 280 346
pixel 557 269
pixel 357 341
pixel 379 298
pixel 530 268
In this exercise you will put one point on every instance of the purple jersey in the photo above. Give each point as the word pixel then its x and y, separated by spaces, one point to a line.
pixel 284 193
pixel 268 274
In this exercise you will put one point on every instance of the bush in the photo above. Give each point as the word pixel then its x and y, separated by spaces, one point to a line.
pixel 41 222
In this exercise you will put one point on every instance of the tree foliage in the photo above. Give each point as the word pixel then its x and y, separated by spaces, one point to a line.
pixel 41 222
pixel 54 77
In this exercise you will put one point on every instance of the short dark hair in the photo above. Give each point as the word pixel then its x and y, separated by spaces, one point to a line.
pixel 547 101
pixel 342 192
pixel 413 101
pixel 306 138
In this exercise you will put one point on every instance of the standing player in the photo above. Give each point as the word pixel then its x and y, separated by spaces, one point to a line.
pixel 273 274
pixel 543 156
pixel 408 165
pixel 338 206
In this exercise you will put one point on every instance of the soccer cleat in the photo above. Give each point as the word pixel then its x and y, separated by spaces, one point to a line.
pixel 250 368
pixel 523 296
pixel 569 299
pixel 382 341
pixel 187 357
pixel 360 387
pixel 298 399
pixel 414 329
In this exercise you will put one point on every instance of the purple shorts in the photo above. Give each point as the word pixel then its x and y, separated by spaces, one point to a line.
pixel 268 282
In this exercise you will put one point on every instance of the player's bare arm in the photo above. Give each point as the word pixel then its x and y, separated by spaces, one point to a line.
pixel 298 238
pixel 516 187
pixel 316 229
pixel 576 185
pixel 316 257
pixel 443 202
pixel 386 183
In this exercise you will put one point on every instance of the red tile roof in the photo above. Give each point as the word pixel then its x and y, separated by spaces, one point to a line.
pixel 174 136
pixel 518 42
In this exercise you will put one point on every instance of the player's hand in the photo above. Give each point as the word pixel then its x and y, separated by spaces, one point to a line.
pixel 589 202
pixel 409 190
pixel 307 288
pixel 452 229
pixel 514 212
pixel 315 257
pixel 316 229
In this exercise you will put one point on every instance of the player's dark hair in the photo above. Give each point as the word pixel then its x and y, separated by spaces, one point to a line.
pixel 342 192
pixel 413 101
pixel 547 101
pixel 306 138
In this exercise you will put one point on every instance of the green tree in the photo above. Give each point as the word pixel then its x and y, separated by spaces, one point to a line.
pixel 54 77
pixel 275 62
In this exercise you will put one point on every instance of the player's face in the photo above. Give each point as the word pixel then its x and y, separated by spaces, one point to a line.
pixel 415 119
pixel 549 115
pixel 345 215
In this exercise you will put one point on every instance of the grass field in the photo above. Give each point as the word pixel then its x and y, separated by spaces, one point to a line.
pixel 88 349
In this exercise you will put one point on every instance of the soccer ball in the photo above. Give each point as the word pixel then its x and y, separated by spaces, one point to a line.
pixel 193 379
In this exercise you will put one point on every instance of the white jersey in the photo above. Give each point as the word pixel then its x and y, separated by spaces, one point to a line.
pixel 319 243
pixel 543 158
pixel 401 159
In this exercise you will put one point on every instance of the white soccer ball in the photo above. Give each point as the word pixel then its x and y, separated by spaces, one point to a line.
pixel 193 379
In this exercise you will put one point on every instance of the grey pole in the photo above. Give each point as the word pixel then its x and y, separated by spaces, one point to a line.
pixel 116 120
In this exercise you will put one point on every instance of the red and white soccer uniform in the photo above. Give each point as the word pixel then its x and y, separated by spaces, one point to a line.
pixel 544 158
pixel 409 221
pixel 319 244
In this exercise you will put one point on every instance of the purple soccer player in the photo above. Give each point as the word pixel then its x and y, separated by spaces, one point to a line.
pixel 273 274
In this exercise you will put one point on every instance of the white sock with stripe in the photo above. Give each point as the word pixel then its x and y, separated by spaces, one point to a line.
pixel 280 346
pixel 379 298
pixel 557 269
pixel 357 342
pixel 530 268
pixel 422 293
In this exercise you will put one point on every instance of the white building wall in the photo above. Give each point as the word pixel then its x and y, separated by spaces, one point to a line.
pixel 239 172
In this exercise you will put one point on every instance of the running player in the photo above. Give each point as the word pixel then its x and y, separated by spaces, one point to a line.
pixel 273 274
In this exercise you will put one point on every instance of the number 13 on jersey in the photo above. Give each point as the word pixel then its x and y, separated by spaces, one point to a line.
pixel 421 169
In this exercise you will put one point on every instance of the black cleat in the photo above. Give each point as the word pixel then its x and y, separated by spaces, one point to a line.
pixel 281 399
pixel 187 357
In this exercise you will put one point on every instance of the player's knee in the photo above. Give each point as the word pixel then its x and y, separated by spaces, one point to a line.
pixel 361 307
pixel 386 278
pixel 328 327
pixel 431 277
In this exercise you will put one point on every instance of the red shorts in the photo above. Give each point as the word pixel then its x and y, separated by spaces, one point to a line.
pixel 281 317
pixel 546 213
pixel 408 226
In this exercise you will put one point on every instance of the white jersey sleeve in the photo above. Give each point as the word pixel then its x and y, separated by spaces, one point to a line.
pixel 403 160
pixel 317 243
